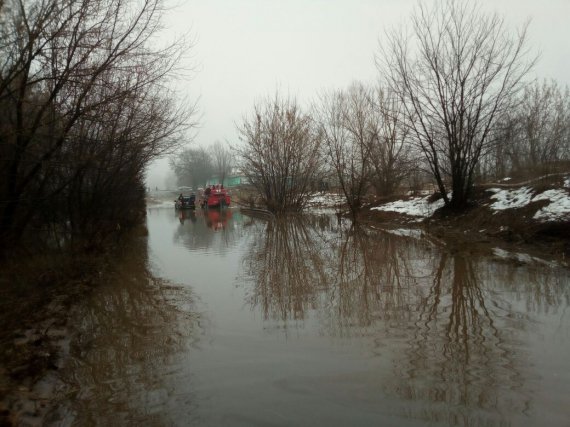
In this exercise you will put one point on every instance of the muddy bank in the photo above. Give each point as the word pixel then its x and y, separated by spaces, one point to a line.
pixel 478 229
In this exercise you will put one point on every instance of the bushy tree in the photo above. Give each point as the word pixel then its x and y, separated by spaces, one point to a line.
pixel 533 138
pixel 84 108
pixel 280 153
pixel 365 140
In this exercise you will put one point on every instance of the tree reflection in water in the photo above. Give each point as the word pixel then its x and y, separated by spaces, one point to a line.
pixel 337 270
pixel 371 281
pixel 287 268
pixel 447 320
pixel 458 351
pixel 127 358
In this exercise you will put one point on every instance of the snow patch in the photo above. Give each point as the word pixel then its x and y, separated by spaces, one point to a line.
pixel 510 199
pixel 418 206
pixel 406 232
pixel 421 193
pixel 558 208
pixel 325 199
pixel 522 257
pixel 567 182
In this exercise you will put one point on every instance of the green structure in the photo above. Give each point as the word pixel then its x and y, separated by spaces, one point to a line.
pixel 229 181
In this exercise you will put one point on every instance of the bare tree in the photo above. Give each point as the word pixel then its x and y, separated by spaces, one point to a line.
pixel 193 166
pixel 503 158
pixel 533 138
pixel 458 77
pixel 83 96
pixel 346 125
pixel 280 153
pixel 545 125
pixel 223 160
pixel 392 157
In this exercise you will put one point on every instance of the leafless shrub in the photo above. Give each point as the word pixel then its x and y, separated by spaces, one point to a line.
pixel 365 140
pixel 280 153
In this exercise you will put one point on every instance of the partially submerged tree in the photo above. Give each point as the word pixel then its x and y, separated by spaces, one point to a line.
pixel 460 74
pixel 280 153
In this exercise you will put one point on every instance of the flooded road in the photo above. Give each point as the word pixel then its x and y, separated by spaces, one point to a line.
pixel 226 320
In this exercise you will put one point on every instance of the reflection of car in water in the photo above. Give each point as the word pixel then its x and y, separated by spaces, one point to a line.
pixel 217 219
pixel 217 198
pixel 185 202
pixel 183 215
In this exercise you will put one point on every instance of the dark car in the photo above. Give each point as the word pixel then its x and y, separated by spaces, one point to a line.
pixel 185 202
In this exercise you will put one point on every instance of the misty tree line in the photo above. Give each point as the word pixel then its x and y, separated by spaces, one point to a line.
pixel 193 167
pixel 534 137
pixel 85 106
pixel 453 105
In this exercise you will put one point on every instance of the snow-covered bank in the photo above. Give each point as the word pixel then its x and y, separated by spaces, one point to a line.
pixel 555 206
pixel 325 200
pixel 556 209
pixel 417 207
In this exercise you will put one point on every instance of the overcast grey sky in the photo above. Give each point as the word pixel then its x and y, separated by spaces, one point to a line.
pixel 246 49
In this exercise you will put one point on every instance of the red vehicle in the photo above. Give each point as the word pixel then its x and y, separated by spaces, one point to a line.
pixel 218 198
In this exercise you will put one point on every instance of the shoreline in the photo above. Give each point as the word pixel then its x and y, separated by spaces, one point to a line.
pixel 476 231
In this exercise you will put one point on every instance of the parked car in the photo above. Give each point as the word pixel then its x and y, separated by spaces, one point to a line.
pixel 185 202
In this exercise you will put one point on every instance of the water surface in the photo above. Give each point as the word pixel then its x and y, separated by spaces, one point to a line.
pixel 225 320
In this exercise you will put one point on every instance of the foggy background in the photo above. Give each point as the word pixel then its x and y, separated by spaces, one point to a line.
pixel 247 49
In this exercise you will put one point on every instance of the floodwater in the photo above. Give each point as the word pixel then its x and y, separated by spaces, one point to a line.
pixel 227 320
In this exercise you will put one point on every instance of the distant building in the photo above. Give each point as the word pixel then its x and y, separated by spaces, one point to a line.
pixel 234 179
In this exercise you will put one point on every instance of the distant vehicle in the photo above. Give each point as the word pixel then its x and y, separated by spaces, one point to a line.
pixel 218 198
pixel 185 202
